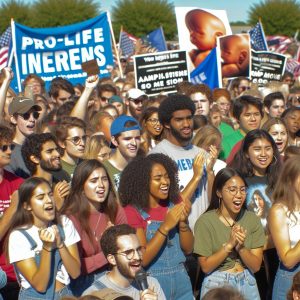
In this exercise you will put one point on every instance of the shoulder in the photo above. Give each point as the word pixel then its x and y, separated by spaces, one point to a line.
pixel 278 210
pixel 207 218
pixel 12 178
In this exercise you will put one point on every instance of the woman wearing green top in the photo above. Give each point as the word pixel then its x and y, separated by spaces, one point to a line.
pixel 229 239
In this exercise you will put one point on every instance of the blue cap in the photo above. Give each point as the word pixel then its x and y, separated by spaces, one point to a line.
pixel 118 125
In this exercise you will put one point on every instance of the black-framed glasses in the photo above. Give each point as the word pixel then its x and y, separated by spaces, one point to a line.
pixel 137 101
pixel 27 115
pixel 77 139
pixel 4 148
pixel 129 254
pixel 153 121
pixel 233 190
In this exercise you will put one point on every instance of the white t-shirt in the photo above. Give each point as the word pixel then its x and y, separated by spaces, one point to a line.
pixel 20 248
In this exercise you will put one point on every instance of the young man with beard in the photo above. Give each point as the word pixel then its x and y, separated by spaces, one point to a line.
pixel 125 134
pixel 24 113
pixel 9 183
pixel 71 137
pixel 42 158
pixel 134 102
pixel 124 253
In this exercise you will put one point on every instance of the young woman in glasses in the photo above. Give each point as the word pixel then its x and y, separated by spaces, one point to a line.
pixel 259 163
pixel 92 206
pixel 153 205
pixel 228 238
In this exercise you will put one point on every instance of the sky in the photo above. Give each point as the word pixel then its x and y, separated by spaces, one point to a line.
pixel 237 10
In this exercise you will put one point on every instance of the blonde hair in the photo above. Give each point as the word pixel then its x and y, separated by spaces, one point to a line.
pixel 206 136
pixel 94 145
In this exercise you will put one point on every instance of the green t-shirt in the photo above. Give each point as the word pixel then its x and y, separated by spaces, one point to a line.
pixel 228 143
pixel 68 167
pixel 211 233
pixel 114 175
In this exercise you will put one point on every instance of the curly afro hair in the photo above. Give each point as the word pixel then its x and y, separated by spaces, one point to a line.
pixel 134 186
pixel 173 103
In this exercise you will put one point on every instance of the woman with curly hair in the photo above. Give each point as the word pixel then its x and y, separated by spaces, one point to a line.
pixel 259 163
pixel 149 189
pixel 284 223
pixel 92 206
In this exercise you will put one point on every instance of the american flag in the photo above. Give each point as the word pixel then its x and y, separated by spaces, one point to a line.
pixel 278 43
pixel 127 42
pixel 257 38
pixel 4 47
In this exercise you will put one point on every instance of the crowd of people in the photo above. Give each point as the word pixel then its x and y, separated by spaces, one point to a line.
pixel 108 192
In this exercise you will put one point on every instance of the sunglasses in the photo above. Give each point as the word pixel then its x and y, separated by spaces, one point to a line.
pixel 76 139
pixel 27 115
pixel 137 101
pixel 4 148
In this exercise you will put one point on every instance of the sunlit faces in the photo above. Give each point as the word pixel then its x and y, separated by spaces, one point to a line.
pixel 5 155
pixel 261 155
pixel 215 118
pixel 104 153
pixel 292 121
pixel 201 103
pixel 128 268
pixel 136 106
pixel 96 187
pixel 50 157
pixel 181 126
pixel 104 97
pixel 42 205
pixel 73 148
pixel 35 86
pixel 128 143
pixel 63 96
pixel 250 118
pixel 153 126
pixel 223 105
pixel 233 195
pixel 26 127
pixel 280 136
pixel 243 86
pixel 159 184
pixel 276 109
pixel 120 107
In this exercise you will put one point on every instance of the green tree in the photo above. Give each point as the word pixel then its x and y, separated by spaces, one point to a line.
pixel 15 9
pixel 52 13
pixel 140 17
pixel 279 17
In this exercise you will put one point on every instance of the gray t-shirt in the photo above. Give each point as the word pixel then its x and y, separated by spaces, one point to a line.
pixel 184 158
pixel 132 291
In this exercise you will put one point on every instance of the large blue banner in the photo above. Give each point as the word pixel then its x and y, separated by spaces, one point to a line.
pixel 59 51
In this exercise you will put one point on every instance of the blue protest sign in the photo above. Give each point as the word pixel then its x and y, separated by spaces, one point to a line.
pixel 59 51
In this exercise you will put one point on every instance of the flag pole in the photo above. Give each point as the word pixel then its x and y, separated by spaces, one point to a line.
pixel 162 30
pixel 114 45
pixel 263 33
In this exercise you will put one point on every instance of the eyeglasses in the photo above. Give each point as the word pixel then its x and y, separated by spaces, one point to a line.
pixel 130 253
pixel 4 148
pixel 104 99
pixel 27 115
pixel 153 122
pixel 137 101
pixel 77 139
pixel 233 190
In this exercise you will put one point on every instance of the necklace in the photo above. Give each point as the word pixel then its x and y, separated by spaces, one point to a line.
pixel 230 225
pixel 96 227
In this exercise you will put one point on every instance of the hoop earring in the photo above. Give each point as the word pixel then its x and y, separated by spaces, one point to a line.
pixel 219 203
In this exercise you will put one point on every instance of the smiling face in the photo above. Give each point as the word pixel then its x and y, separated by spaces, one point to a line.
pixel 280 136
pixel 50 157
pixel 153 126
pixel 42 206
pixel 232 195
pixel 261 155
pixel 96 187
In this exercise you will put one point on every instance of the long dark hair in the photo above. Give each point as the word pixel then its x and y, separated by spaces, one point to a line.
pixel 135 180
pixel 78 205
pixel 244 165
pixel 220 180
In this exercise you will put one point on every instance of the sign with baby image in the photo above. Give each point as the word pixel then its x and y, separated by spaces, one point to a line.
pixel 160 72
pixel 234 56
pixel 198 30
pixel 267 66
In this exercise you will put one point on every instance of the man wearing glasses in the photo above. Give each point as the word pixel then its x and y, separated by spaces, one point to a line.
pixel 8 206
pixel 71 137
pixel 124 253
pixel 134 102
pixel 24 113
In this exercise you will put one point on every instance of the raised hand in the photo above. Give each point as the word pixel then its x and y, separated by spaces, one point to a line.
pixel 212 157
pixel 198 164
pixel 60 192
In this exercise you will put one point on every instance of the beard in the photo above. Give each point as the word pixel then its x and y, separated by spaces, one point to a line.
pixel 124 268
pixel 48 167
pixel 179 137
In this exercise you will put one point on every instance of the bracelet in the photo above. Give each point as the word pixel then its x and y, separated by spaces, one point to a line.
pixel 224 247
pixel 47 249
pixel 162 232
pixel 61 246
